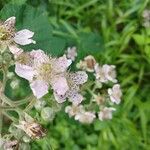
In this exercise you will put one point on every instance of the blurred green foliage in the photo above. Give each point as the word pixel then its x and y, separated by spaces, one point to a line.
pixel 112 31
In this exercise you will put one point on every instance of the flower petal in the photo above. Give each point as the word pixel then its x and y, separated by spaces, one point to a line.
pixel 75 98
pixel 39 88
pixel 24 71
pixel 79 77
pixel 60 98
pixel 61 64
pixel 15 50
pixel 10 22
pixel 60 85
pixel 23 37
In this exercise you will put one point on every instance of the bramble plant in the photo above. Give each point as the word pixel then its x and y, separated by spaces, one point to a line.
pixel 51 81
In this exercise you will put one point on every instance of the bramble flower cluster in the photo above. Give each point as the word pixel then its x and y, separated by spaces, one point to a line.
pixel 52 84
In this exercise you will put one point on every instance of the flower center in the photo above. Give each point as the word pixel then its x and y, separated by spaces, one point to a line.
pixel 25 58
pixel 5 34
pixel 45 71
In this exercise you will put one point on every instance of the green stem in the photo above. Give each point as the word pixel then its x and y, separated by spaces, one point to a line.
pixel 10 117
pixel 1 121
pixel 31 104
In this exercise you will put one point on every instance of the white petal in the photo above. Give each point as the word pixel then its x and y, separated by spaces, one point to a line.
pixel 23 37
pixel 60 98
pixel 39 56
pixel 39 88
pixel 61 64
pixel 60 85
pixel 75 98
pixel 24 71
pixel 10 22
pixel 79 77
pixel 15 50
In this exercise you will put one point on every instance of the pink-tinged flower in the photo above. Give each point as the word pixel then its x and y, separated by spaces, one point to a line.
pixel 105 73
pixel 115 94
pixel 74 110
pixel 85 117
pixel 71 53
pixel 8 35
pixel 43 71
pixel 106 113
pixel 74 80
pixel 99 99
pixel 87 64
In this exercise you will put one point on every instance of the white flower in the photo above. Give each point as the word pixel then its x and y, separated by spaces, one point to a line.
pixel 85 117
pixel 43 71
pixel 115 94
pixel 73 110
pixel 71 53
pixel 106 113
pixel 99 99
pixel 8 36
pixel 87 64
pixel 105 73
pixel 74 80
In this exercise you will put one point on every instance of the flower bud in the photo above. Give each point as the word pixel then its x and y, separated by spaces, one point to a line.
pixel 7 57
pixel 47 114
pixel 26 139
pixel 39 104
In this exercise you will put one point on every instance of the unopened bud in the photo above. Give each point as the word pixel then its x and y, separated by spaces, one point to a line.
pixel 39 104
pixel 7 57
pixel 47 114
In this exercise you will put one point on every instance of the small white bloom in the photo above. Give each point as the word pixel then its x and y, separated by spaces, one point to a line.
pixel 87 64
pixel 106 113
pixel 115 94
pixel 73 110
pixel 43 71
pixel 105 73
pixel 74 80
pixel 99 99
pixel 8 35
pixel 85 117
pixel 72 53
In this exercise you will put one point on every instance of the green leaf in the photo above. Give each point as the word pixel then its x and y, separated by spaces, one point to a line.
pixel 141 39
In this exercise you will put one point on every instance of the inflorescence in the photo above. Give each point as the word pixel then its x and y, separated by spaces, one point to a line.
pixel 85 99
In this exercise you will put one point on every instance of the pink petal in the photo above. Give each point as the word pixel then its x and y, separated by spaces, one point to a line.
pixel 23 37
pixel 61 64
pixel 39 88
pixel 60 98
pixel 15 50
pixel 60 85
pixel 24 71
